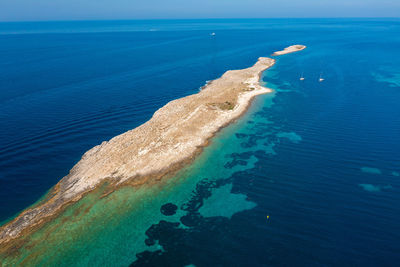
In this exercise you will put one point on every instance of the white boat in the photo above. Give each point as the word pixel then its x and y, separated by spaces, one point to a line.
pixel 302 77
pixel 212 34
pixel 320 78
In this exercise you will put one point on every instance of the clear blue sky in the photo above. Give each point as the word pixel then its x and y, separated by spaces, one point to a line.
pixel 22 10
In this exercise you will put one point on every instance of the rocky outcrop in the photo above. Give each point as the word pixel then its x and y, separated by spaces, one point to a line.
pixel 290 49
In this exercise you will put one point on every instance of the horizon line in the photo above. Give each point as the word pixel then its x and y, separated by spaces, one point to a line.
pixel 188 19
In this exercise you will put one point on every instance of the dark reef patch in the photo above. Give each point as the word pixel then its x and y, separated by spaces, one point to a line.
pixel 169 209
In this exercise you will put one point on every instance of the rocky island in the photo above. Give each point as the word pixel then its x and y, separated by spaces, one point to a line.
pixel 172 137
pixel 290 49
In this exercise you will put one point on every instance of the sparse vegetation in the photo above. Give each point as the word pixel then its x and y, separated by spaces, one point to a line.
pixel 226 105
pixel 249 88
pixel 223 106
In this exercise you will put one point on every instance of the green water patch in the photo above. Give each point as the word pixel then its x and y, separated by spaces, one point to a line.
pixel 370 187
pixel 375 188
pixel 387 76
pixel 223 203
pixel 292 136
pixel 371 170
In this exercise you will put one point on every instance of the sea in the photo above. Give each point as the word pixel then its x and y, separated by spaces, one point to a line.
pixel 309 176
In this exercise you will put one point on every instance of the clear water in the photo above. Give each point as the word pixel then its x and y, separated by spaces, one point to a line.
pixel 310 176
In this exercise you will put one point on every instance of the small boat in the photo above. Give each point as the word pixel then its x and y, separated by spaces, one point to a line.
pixel 320 78
pixel 212 34
pixel 302 77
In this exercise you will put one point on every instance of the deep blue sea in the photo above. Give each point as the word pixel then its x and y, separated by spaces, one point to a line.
pixel 310 176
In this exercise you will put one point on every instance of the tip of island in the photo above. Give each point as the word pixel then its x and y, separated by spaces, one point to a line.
pixel 171 138
pixel 290 49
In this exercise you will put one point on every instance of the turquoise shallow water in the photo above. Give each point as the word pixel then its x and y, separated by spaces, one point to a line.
pixel 308 177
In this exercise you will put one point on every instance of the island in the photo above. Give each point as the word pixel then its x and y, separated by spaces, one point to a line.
pixel 173 137
pixel 290 49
